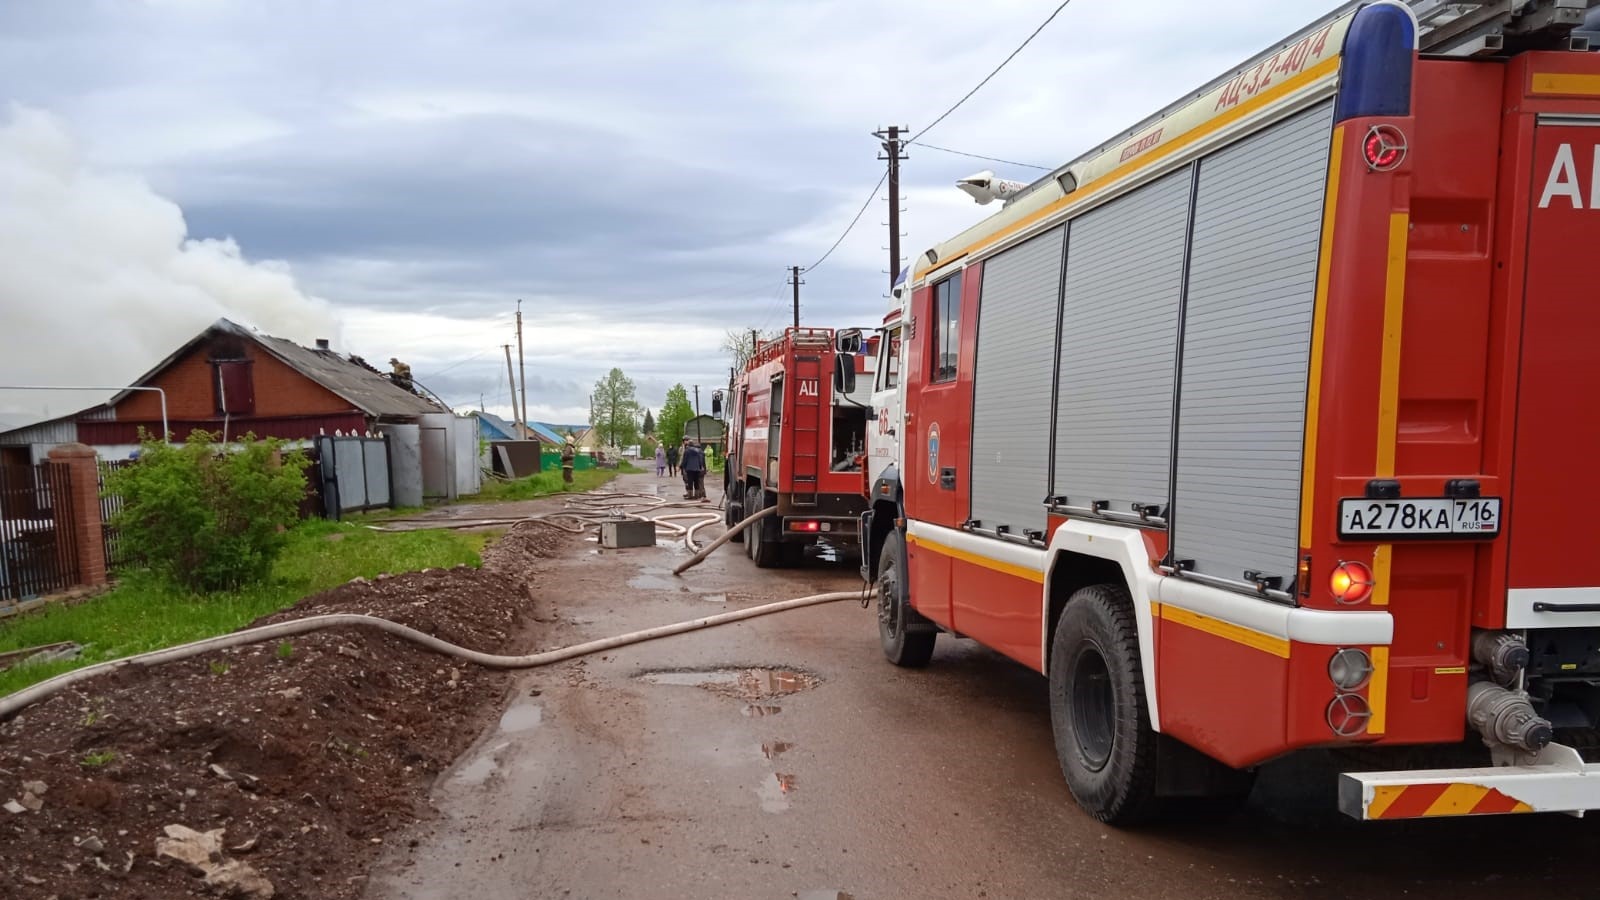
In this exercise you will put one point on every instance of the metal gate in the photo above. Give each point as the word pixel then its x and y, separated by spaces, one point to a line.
pixel 38 554
pixel 354 473
pixel 110 505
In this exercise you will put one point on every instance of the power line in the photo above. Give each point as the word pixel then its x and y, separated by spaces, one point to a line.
pixel 996 71
pixel 870 197
pixel 1009 162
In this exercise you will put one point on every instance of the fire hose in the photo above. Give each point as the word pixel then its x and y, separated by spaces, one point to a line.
pixel 573 522
pixel 15 703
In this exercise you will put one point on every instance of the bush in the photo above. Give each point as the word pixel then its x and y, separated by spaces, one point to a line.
pixel 207 518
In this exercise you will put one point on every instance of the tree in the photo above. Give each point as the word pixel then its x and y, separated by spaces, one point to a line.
pixel 649 422
pixel 737 344
pixel 616 412
pixel 674 413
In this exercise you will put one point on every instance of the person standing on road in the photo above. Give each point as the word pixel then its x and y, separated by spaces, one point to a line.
pixel 569 453
pixel 694 471
pixel 672 460
pixel 661 460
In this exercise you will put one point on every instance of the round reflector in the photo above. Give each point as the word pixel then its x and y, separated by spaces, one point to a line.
pixel 1348 714
pixel 1351 582
pixel 1350 668
pixel 1384 147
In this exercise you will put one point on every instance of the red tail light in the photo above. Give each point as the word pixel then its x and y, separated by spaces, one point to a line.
pixel 1351 582
pixel 1384 147
pixel 805 526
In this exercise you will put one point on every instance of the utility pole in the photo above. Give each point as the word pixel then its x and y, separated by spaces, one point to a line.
pixel 892 152
pixel 796 282
pixel 513 379
pixel 697 414
pixel 521 362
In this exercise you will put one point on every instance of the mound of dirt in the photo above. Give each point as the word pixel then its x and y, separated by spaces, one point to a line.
pixel 305 753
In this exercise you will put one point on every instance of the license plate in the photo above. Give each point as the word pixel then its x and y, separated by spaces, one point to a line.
pixel 1422 517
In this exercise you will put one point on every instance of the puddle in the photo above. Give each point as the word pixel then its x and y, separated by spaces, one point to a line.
pixel 749 684
pixel 828 894
pixel 755 712
pixel 522 717
pixel 774 749
pixel 653 583
pixel 660 578
pixel 477 771
pixel 774 792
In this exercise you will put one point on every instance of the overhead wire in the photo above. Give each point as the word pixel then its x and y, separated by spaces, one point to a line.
pixel 942 116
pixel 848 228
pixel 1009 162
pixel 1003 63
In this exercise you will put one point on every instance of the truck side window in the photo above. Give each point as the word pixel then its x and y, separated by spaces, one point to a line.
pixel 946 343
pixel 889 364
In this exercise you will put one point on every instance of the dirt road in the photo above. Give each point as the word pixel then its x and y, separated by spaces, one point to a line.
pixel 783 757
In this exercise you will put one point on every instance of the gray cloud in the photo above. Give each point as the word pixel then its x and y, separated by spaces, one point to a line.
pixel 640 175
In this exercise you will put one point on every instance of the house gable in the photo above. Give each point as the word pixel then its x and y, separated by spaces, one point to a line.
pixel 190 383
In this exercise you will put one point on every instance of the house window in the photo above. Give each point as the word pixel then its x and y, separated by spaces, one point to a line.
pixel 233 386
pixel 946 343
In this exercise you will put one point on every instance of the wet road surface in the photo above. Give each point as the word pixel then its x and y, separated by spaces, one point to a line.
pixel 783 757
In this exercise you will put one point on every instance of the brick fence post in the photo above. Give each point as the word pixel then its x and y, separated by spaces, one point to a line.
pixel 84 473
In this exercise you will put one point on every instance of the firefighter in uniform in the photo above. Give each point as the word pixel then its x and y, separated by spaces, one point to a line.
pixel 569 452
pixel 693 463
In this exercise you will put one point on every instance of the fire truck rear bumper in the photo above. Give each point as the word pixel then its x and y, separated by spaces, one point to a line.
pixel 1556 780
pixel 796 527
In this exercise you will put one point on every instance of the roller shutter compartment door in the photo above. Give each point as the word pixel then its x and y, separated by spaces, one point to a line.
pixel 1011 385
pixel 1119 324
pixel 1246 350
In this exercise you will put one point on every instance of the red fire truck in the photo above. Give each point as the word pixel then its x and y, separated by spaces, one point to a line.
pixel 1264 426
pixel 797 442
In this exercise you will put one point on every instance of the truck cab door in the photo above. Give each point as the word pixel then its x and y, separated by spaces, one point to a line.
pixel 883 434
pixel 937 431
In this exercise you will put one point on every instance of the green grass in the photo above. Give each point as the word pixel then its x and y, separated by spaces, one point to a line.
pixel 97 759
pixel 543 484
pixel 141 613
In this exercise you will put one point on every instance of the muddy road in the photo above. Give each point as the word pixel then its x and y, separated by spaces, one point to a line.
pixel 782 757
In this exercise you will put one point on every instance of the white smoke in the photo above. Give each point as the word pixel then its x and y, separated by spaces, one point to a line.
pixel 99 279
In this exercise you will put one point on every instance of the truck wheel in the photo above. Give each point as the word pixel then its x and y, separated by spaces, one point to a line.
pixel 910 649
pixel 733 509
pixel 1098 712
pixel 764 553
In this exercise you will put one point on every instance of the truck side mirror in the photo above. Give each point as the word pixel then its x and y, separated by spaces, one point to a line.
pixel 848 341
pixel 844 373
pixel 716 405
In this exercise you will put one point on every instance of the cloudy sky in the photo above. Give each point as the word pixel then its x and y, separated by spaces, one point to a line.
pixel 395 175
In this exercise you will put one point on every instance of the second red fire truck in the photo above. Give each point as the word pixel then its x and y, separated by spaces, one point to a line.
pixel 796 443
pixel 1266 425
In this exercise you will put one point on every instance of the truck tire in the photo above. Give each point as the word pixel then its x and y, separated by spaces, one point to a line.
pixel 764 553
pixel 733 508
pixel 1098 712
pixel 911 649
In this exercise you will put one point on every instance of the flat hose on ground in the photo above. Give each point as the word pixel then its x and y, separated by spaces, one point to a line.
pixel 15 703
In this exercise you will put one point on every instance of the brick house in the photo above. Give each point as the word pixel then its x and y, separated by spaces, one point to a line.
pixel 231 381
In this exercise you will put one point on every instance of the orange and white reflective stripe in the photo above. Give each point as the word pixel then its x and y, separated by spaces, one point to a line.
pixel 1421 801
